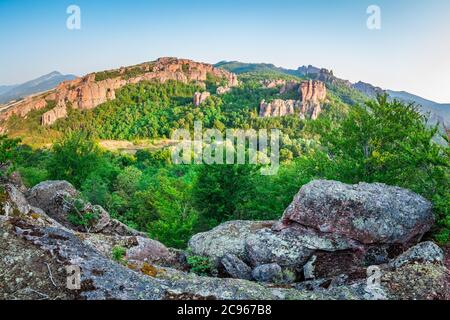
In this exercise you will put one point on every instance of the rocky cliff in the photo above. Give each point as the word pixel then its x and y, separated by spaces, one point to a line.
pixel 200 97
pixel 94 89
pixel 312 95
pixel 278 108
pixel 324 247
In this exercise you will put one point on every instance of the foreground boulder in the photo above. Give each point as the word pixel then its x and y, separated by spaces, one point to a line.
pixel 228 238
pixel 236 268
pixel 61 201
pixel 330 229
pixel 34 265
pixel 36 252
pixel 368 213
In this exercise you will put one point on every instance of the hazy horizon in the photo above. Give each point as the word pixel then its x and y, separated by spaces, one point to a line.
pixel 409 52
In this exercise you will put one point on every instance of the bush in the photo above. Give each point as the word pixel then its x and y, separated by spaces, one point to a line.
pixel 32 176
pixel 8 150
pixel 201 266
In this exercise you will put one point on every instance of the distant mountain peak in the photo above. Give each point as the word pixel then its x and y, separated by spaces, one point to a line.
pixel 40 84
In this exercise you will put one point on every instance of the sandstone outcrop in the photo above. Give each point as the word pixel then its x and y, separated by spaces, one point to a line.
pixel 51 116
pixel 312 95
pixel 322 74
pixel 94 89
pixel 200 97
pixel 223 90
pixel 272 84
pixel 278 108
pixel 289 86
pixel 39 249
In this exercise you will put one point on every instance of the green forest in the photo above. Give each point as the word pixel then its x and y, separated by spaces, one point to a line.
pixel 352 141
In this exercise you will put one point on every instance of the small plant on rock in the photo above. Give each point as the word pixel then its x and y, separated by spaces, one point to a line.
pixel 201 266
pixel 118 254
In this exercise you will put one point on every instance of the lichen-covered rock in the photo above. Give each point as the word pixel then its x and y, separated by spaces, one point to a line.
pixel 153 252
pixel 36 250
pixel 423 252
pixel 368 213
pixel 52 196
pixel 33 261
pixel 14 202
pixel 292 246
pixel 61 201
pixel 284 248
pixel 236 268
pixel 270 273
pixel 101 278
pixel 228 238
pixel 420 281
pixel 116 227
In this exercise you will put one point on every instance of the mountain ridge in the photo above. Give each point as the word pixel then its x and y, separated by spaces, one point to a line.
pixel 40 84
pixel 438 112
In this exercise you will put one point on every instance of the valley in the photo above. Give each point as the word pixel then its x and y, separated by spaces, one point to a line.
pixel 91 160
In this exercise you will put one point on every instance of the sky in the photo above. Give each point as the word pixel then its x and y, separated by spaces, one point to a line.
pixel 410 52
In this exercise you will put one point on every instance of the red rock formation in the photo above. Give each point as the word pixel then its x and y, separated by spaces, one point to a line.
pixel 199 98
pixel 271 84
pixel 223 90
pixel 23 107
pixel 289 86
pixel 51 116
pixel 313 94
pixel 87 93
pixel 278 108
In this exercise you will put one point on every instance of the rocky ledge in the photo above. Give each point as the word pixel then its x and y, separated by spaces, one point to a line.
pixel 335 241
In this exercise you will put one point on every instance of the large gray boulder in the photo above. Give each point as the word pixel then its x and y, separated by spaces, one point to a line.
pixel 292 246
pixel 285 249
pixel 236 268
pixel 48 196
pixel 368 213
pixel 55 199
pixel 61 201
pixel 270 273
pixel 228 238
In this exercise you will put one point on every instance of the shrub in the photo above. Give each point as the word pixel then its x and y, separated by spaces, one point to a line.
pixel 201 266
pixel 118 254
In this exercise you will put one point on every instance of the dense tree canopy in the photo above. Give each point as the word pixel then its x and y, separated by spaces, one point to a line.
pixel 380 141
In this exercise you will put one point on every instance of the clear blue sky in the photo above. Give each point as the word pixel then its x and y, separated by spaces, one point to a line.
pixel 411 52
